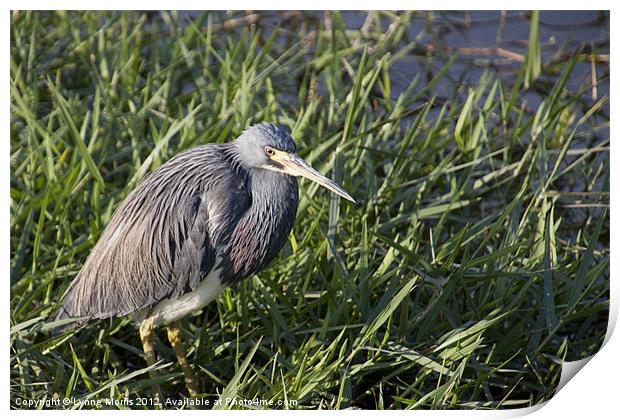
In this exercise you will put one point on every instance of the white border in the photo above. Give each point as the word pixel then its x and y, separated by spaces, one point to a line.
pixel 593 394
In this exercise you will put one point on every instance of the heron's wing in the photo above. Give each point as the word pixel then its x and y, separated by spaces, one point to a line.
pixel 162 241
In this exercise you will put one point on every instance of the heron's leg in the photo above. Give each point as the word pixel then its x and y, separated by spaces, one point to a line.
pixel 175 338
pixel 146 336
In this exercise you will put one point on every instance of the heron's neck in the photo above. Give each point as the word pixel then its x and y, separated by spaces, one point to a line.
pixel 274 205
pixel 272 192
pixel 265 226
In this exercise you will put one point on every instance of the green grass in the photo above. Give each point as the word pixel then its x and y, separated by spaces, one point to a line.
pixel 475 261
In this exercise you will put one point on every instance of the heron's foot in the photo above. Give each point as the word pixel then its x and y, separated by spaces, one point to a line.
pixel 146 336
pixel 175 336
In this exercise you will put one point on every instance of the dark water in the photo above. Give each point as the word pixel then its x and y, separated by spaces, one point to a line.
pixel 561 33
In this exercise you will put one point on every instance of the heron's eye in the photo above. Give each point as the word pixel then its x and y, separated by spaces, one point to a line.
pixel 270 151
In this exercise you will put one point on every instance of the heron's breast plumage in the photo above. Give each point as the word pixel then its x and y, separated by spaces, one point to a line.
pixel 262 230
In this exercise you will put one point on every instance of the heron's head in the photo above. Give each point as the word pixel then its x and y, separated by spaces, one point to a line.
pixel 268 147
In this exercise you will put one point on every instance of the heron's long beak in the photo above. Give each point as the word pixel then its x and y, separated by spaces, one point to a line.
pixel 296 166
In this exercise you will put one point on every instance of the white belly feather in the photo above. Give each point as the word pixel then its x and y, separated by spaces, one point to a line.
pixel 168 310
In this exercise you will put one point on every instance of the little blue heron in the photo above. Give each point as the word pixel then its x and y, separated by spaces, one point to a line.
pixel 206 219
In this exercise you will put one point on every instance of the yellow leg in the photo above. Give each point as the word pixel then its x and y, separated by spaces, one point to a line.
pixel 146 335
pixel 175 338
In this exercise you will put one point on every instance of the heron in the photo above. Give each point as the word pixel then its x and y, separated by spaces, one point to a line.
pixel 204 220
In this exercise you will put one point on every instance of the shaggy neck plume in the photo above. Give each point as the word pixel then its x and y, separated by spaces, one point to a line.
pixel 264 227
